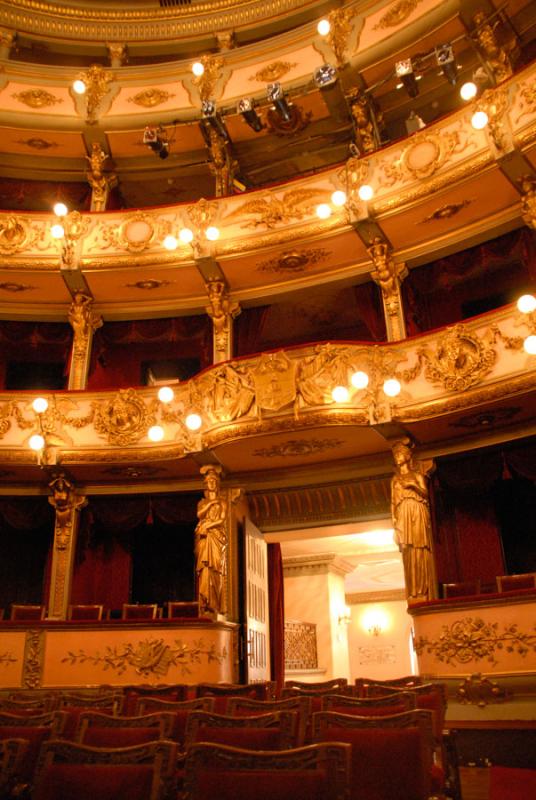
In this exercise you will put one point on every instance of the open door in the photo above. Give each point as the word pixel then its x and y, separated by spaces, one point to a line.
pixel 257 610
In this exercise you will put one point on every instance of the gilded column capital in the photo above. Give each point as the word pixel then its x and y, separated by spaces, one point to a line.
pixel 388 275
pixel 495 55
pixel 222 310
pixel 117 52
pixel 67 505
pixel 528 200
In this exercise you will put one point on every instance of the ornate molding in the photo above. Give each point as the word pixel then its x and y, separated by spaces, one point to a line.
pixel 397 14
pixel 479 691
pixel 460 359
pixel 272 211
pixel 150 98
pixel 124 418
pixel 273 72
pixel 34 653
pixel 317 565
pixel 37 98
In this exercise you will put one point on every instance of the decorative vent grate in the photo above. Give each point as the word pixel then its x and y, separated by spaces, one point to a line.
pixel 170 3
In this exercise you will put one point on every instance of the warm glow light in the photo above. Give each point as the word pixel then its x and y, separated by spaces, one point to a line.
pixel 338 198
pixel 382 538
pixel 186 235
pixel 374 621
pixel 193 422
pixel 212 233
pixel 345 617
pixel 156 433
pixel 40 405
pixel 36 442
pixel 468 90
pixel 527 303
pixel 340 394
pixel 79 86
pixel 479 120
pixel 166 394
pixel 365 192
pixel 323 211
pixel 198 69
pixel 323 27
pixel 60 209
pixel 530 345
pixel 359 380
pixel 392 387
pixel 170 242
pixel 57 231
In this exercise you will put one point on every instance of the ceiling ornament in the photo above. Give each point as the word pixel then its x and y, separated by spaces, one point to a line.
pixel 14 235
pixel 273 72
pixel 294 260
pixel 124 419
pixel 272 211
pixel 275 381
pixel 37 98
pixel 150 98
pixel 205 83
pixel 447 211
pixel 460 359
pixel 424 155
pixel 149 285
pixel 486 419
pixel 36 143
pixel 298 447
pixel 15 287
pixel 298 121
pixel 397 14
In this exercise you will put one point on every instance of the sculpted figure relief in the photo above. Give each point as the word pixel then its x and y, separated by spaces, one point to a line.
pixel 410 510
pixel 211 543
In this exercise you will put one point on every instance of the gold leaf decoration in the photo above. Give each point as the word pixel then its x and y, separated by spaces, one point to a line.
pixel 460 359
pixel 150 98
pixel 36 143
pixel 298 447
pixel 37 98
pixel 206 82
pixel 273 71
pixel 271 210
pixel 397 14
pixel 124 418
pixel 447 211
pixel 294 260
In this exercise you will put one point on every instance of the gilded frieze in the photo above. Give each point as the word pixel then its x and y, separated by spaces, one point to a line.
pixel 150 98
pixel 149 657
pixel 298 447
pixel 527 99
pixel 424 155
pixel 225 393
pixel 270 211
pixel 397 14
pixel 34 652
pixel 275 381
pixel 474 639
pixel 125 418
pixel 273 72
pixel 138 231
pixel 460 359
pixel 15 234
pixel 37 98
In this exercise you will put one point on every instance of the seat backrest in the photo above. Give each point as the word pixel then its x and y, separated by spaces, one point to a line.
pixel 24 612
pixel 332 685
pixel 394 703
pixel 103 730
pixel 78 772
pixel 245 706
pixel 315 772
pixel 12 753
pixel 512 583
pixel 277 730
pixel 132 694
pixel 83 612
pixel 461 589
pixel 222 691
pixel 139 611
pixel 35 731
pixel 180 711
pixel 182 608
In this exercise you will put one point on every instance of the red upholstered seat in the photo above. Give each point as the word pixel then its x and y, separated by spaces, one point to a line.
pixel 34 736
pixel 119 737
pixel 369 711
pixel 513 583
pixel 295 785
pixel 251 738
pixel 180 710
pixel 273 731
pixel 140 611
pixel 85 612
pixel 90 781
pixel 26 613
pixel 509 783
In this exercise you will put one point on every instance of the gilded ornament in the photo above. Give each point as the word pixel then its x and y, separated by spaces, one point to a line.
pixel 497 57
pixel 460 359
pixel 14 234
pixel 150 98
pixel 298 447
pixel 495 103
pixel 221 311
pixel 124 419
pixel 360 106
pixel 294 260
pixel 36 143
pixel 271 210
pixel 149 657
pixel 34 652
pixel 149 285
pixel 425 154
pixel 387 274
pixel 273 72
pixel 527 96
pixel 138 231
pixel 222 164
pixel 37 98
pixel 340 28
pixel 206 82
pixel 528 201
pixel 486 419
pixel 97 81
pixel 473 639
pixel 275 381
pixel 211 540
pixel 203 213
pixel 297 121
pixel 479 691
pixel 225 393
pixel 447 211
pixel 397 14
pixel 318 374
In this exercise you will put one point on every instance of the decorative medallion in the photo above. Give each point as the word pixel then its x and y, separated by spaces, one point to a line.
pixel 473 639
pixel 271 210
pixel 275 381
pixel 124 419
pixel 460 359
pixel 273 71
pixel 132 472
pixel 397 14
pixel 138 232
pixel 479 691
pixel 150 98
pixel 150 657
pixel 150 284
pixel 447 211
pixel 294 260
pixel 425 153
pixel 34 651
pixel 37 144
pixel 486 419
pixel 298 447
pixel 297 121
pixel 37 98
pixel 15 287
pixel 203 213
pixel 14 235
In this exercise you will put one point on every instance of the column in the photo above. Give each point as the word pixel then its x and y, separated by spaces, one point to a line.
pixel 100 182
pixel 83 322
pixel 211 542
pixel 389 276
pixel 7 38
pixel 222 310
pixel 67 505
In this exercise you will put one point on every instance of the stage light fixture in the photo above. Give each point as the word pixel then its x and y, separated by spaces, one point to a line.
pixel 325 76
pixel 445 59
pixel 323 27
pixel 198 69
pixel 79 86
pixel 468 90
pixel 275 94
pixel 246 107
pixel 60 209
pixel 211 115
pixel 156 139
pixel 404 71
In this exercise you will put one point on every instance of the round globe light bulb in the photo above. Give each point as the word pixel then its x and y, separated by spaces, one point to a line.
pixel 37 442
pixel 392 387
pixel 323 27
pixel 57 231
pixel 359 380
pixel 323 211
pixel 365 192
pixel 186 235
pixel 156 433
pixel 60 209
pixel 468 90
pixel 340 394
pixel 193 422
pixel 198 69
pixel 530 345
pixel 40 405
pixel 479 120
pixel 212 233
pixel 171 242
pixel 166 394
pixel 79 86
pixel 527 303
pixel 338 198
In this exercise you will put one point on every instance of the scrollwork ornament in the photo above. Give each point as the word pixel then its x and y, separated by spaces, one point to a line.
pixel 271 210
pixel 494 102
pixel 479 691
pixel 97 81
pixel 37 98
pixel 206 83
pixel 123 419
pixel 14 234
pixel 397 14
pixel 150 98
pixel 460 359
pixel 273 72
pixel 34 651
pixel 340 28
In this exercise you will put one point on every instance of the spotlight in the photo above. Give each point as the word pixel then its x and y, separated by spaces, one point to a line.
pixel 156 139
pixel 210 114
pixel 323 27
pixel 527 303
pixel 166 394
pixel 275 95
pixel 79 86
pixel 445 59
pixel 479 120
pixel 325 76
pixel 60 209
pixel 404 71
pixel 468 90
pixel 247 109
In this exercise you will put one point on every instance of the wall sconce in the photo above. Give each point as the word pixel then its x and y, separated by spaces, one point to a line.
pixel 375 622
pixel 345 617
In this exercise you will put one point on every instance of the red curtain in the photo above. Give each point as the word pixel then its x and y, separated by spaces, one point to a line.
pixel 277 614
pixel 248 328
pixel 369 307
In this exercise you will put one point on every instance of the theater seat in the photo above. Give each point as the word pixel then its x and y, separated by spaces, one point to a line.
pixel 83 612
pixel 22 612
pixel 512 583
pixel 508 783
pixel 141 611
